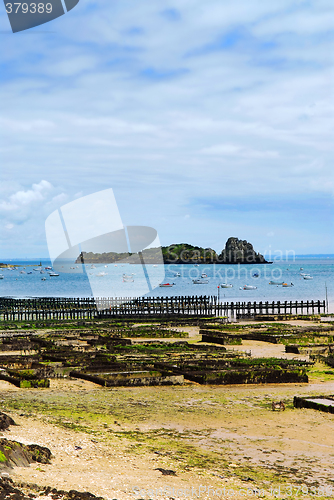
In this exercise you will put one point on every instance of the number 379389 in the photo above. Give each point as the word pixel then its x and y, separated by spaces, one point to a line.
pixel 32 8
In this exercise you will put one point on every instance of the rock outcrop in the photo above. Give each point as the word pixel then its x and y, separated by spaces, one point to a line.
pixel 5 421
pixel 240 252
pixel 25 491
pixel 236 252
pixel 13 453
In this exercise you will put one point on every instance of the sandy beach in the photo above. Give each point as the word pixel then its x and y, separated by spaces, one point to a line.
pixel 111 442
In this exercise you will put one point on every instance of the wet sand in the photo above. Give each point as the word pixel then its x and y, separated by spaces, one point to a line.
pixel 136 431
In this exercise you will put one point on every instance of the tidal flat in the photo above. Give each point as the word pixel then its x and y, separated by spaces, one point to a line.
pixel 183 441
pixel 112 441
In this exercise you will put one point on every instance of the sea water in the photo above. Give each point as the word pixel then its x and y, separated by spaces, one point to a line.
pixel 107 280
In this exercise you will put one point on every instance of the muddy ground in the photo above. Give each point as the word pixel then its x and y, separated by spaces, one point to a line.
pixel 112 442
pixel 180 442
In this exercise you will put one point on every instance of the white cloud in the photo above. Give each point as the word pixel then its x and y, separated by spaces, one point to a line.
pixel 22 199
pixel 91 107
pixel 232 150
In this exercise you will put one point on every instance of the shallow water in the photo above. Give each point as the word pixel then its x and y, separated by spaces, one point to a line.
pixel 86 282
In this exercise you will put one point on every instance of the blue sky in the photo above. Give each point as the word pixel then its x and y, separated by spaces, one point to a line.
pixel 208 120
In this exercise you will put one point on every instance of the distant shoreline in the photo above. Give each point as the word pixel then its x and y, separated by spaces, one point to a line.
pixel 9 262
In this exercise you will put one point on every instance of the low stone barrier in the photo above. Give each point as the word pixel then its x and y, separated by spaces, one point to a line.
pixel 119 381
pixel 315 403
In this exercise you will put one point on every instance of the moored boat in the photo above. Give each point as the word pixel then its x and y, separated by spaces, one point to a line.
pixel 276 282
pixel 166 284
pixel 200 282
pixel 248 287
pixel 226 285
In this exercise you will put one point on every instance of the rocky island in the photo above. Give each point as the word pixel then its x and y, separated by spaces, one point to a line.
pixel 236 251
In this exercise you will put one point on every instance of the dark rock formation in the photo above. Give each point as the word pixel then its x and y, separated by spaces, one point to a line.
pixel 236 252
pixel 5 421
pixel 39 454
pixel 13 453
pixel 166 472
pixel 8 490
pixel 24 491
pixel 240 252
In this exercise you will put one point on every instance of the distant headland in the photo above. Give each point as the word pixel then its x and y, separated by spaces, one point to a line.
pixel 235 252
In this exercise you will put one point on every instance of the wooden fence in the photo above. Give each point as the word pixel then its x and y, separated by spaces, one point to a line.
pixel 201 306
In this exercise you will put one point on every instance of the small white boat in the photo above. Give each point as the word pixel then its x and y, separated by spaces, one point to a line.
pixel 276 282
pixel 101 274
pixel 286 284
pixel 53 274
pixel 203 275
pixel 200 282
pixel 177 275
pixel 1 276
pixel 155 265
pixel 43 279
pixel 196 265
pixel 308 277
pixel 167 284
pixel 248 287
pixel 36 269
pixel 226 285
pixel 128 280
pixel 22 272
pixel 48 268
